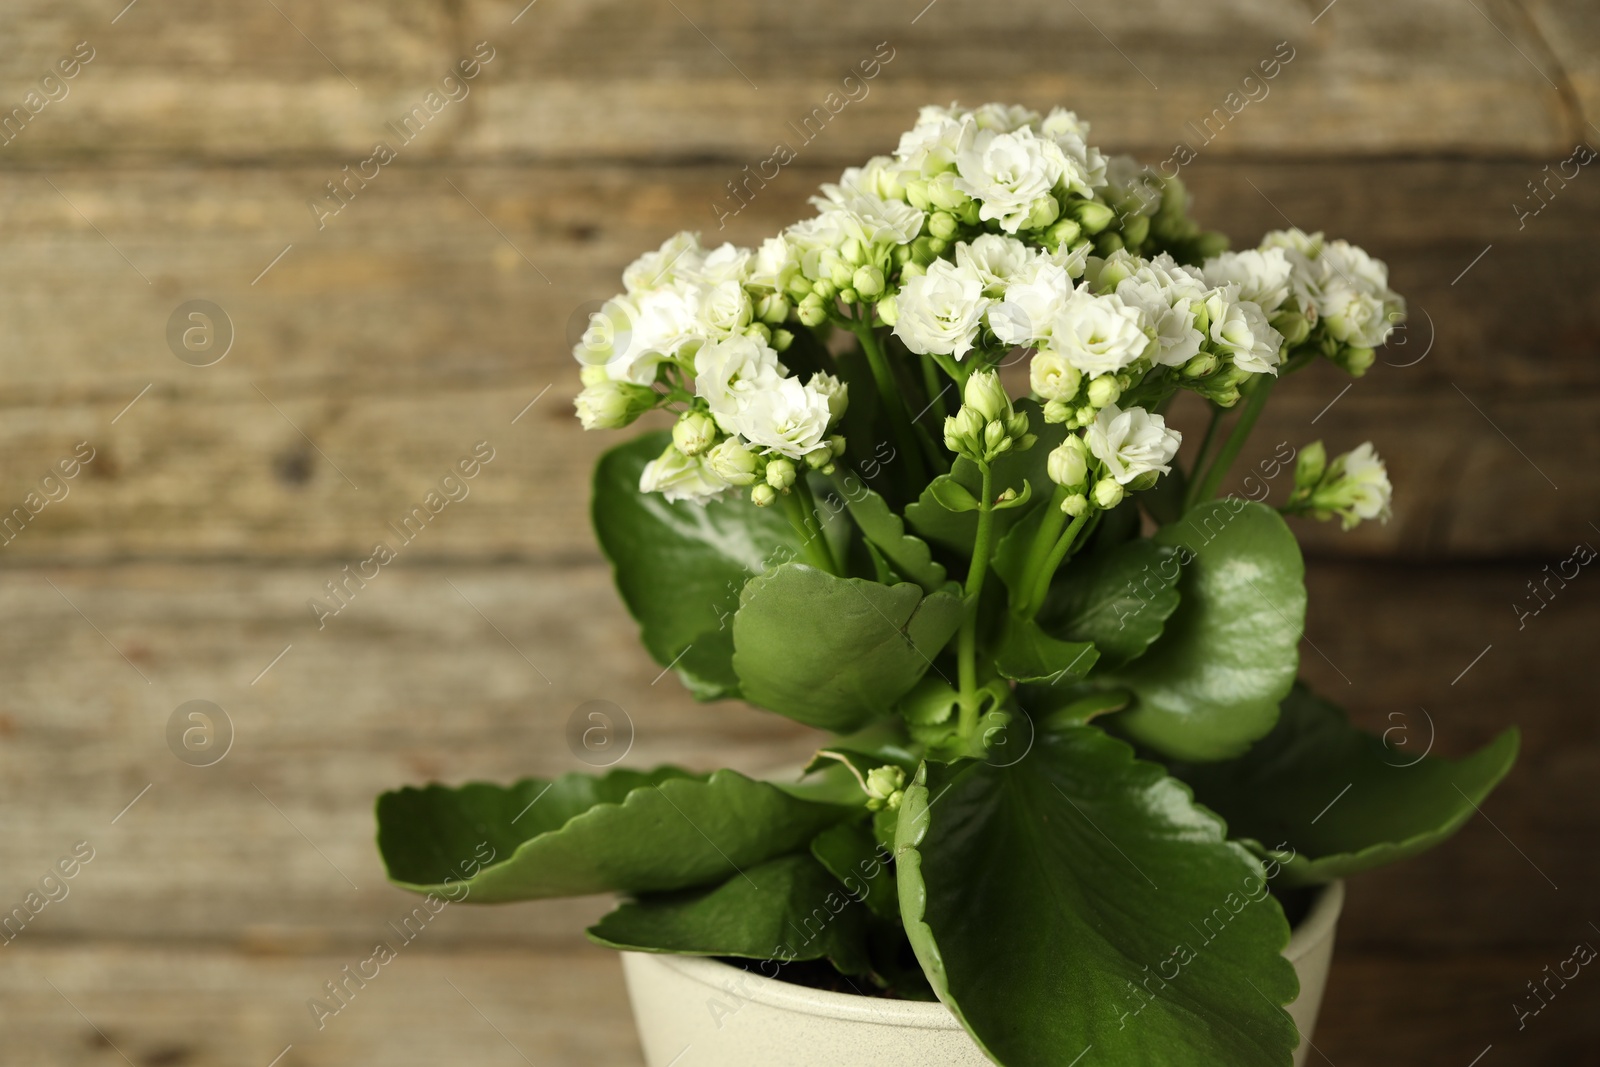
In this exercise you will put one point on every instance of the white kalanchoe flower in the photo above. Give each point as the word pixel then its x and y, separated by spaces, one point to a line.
pixel 1071 134
pixel 883 177
pixel 873 220
pixel 834 391
pixel 668 319
pixel 726 309
pixel 1262 275
pixel 1352 315
pixel 1167 313
pixel 810 239
pixel 774 265
pixel 1131 442
pixel 1052 377
pixel 679 256
pixel 1240 331
pixel 1032 297
pixel 786 418
pixel 939 312
pixel 680 477
pixel 1008 172
pixel 609 342
pixel 1098 334
pixel 1356 302
pixel 995 260
pixel 1004 118
pixel 1305 277
pixel 730 374
pixel 1356 487
pixel 727 262
pixel 932 145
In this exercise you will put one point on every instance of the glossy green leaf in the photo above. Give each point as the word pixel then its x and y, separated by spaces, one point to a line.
pixel 1013 470
pixel 835 652
pixel 1228 654
pixel 1326 800
pixel 680 567
pixel 1025 653
pixel 1119 599
pixel 852 854
pixel 1079 899
pixel 884 529
pixel 625 831
pixel 786 909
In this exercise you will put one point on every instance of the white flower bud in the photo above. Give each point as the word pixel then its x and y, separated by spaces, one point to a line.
pixel 733 462
pixel 694 432
pixel 1104 390
pixel 812 311
pixel 1108 493
pixel 867 281
pixel 772 308
pixel 887 310
pixel 762 495
pixel 780 473
pixel 1067 463
pixel 609 405
pixel 985 395
pixel 1075 504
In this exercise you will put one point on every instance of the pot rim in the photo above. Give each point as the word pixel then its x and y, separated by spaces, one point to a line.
pixel 1313 931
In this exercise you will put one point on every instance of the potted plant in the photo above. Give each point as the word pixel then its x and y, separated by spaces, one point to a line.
pixel 1070 799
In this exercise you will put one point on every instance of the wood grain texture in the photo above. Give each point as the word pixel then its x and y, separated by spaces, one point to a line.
pixel 372 351
pixel 614 79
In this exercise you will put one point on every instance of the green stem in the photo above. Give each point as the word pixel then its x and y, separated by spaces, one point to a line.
pixel 1200 457
pixel 967 640
pixel 936 390
pixel 1041 583
pixel 890 397
pixel 1261 388
pixel 803 517
pixel 1044 540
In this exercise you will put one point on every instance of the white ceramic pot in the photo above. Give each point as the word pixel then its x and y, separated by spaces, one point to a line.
pixel 697 1012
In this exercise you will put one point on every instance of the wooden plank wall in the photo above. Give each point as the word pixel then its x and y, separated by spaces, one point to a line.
pixel 369 354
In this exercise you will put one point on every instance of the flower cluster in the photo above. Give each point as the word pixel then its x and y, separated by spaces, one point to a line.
pixel 698 331
pixel 988 232
pixel 1355 486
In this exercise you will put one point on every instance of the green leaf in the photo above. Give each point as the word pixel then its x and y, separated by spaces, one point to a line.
pixel 835 652
pixel 885 530
pixel 1010 557
pixel 576 835
pixel 852 854
pixel 788 908
pixel 1327 800
pixel 952 495
pixel 1211 685
pixel 1119 599
pixel 1013 470
pixel 679 567
pixel 1025 653
pixel 1080 898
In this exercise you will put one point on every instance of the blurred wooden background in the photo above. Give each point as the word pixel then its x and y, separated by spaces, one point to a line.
pixel 439 303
